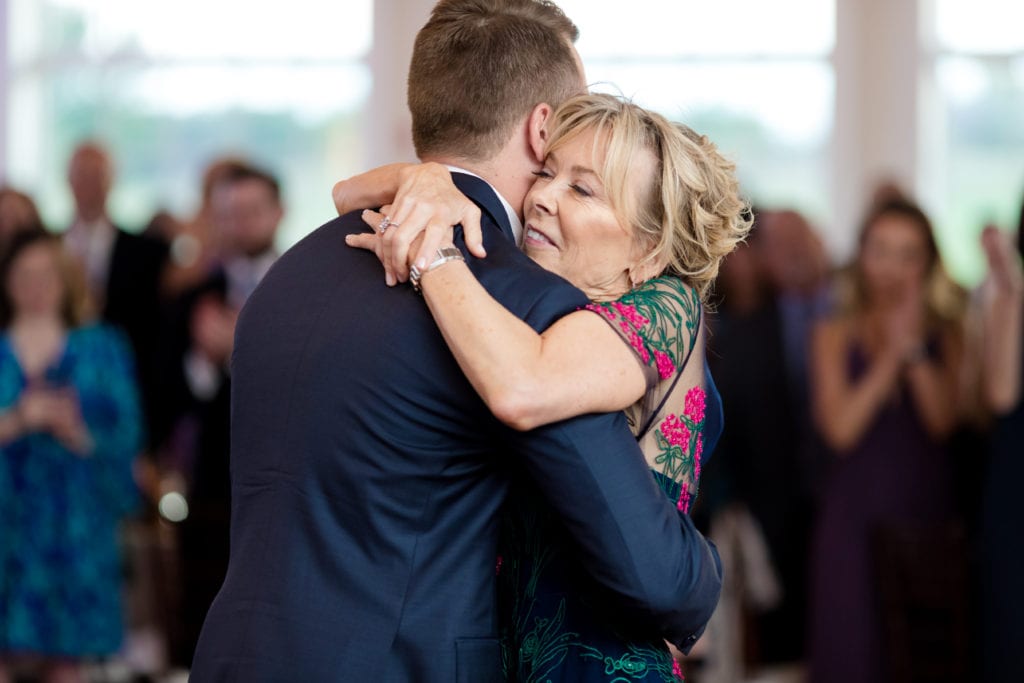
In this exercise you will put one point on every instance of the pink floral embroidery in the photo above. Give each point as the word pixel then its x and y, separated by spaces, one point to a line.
pixel 497 565
pixel 675 431
pixel 698 453
pixel 665 365
pixel 606 312
pixel 677 670
pixel 638 343
pixel 684 499
pixel 695 404
pixel 630 314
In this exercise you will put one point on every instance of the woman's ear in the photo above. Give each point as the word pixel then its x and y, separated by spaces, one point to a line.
pixel 644 268
pixel 537 130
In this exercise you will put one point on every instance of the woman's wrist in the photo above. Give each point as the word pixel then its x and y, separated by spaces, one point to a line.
pixel 445 255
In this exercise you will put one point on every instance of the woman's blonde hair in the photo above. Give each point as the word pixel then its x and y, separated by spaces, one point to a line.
pixel 693 215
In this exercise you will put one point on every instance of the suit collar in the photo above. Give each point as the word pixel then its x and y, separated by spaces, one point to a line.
pixel 481 192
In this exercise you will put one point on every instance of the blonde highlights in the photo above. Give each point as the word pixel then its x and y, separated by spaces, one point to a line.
pixel 692 214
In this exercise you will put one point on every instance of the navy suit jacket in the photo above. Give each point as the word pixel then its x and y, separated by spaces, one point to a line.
pixel 367 477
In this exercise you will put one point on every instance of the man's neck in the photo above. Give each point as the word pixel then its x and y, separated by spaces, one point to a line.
pixel 508 185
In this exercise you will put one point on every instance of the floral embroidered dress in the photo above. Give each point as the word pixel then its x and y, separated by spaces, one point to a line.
pixel 557 627
pixel 60 570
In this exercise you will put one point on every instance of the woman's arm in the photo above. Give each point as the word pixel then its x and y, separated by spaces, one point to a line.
pixel 934 385
pixel 844 410
pixel 421 202
pixel 579 365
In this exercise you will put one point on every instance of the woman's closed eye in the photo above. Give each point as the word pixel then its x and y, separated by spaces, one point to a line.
pixel 543 173
pixel 581 190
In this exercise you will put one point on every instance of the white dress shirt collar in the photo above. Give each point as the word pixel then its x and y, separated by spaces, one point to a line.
pixel 513 215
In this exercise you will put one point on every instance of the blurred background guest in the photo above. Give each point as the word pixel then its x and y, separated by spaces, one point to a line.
pixel 122 269
pixel 774 290
pixel 884 382
pixel 245 211
pixel 18 214
pixel 70 427
pixel 194 245
pixel 1002 523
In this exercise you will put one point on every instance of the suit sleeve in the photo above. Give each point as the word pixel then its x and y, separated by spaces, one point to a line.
pixel 633 541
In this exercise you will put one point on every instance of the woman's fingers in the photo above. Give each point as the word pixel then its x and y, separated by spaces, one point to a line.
pixel 362 240
pixel 436 235
pixel 472 232
pixel 399 239
pixel 372 241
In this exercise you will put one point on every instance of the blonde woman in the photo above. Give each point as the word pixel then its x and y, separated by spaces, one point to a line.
pixel 637 212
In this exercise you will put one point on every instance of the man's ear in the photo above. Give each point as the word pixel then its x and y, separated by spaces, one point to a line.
pixel 537 130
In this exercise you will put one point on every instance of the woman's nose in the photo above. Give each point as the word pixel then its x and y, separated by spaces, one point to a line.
pixel 544 199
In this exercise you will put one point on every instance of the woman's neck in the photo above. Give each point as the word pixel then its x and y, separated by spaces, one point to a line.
pixel 37 341
pixel 37 324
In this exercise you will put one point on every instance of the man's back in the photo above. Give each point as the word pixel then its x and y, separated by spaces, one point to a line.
pixel 365 480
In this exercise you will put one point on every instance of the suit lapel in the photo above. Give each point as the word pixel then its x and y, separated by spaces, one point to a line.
pixel 486 197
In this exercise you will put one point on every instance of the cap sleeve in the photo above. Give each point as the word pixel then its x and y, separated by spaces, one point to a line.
pixel 659 322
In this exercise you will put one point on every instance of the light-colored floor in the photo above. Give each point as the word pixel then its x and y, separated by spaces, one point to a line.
pixel 793 673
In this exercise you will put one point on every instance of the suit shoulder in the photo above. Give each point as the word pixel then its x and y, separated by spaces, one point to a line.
pixel 538 296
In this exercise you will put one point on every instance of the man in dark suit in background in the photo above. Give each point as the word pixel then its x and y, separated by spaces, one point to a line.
pixel 246 212
pixel 367 475
pixel 122 269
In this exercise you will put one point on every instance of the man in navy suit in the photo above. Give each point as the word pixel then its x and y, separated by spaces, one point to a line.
pixel 367 475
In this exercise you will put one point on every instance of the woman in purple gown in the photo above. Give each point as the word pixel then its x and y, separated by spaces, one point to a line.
pixel 884 380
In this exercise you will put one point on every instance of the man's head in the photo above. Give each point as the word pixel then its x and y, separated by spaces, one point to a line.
pixel 480 67
pixel 90 175
pixel 246 209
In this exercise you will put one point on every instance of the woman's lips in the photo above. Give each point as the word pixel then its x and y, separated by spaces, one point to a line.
pixel 536 237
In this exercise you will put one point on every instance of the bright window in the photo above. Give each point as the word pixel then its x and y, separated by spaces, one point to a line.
pixel 742 72
pixel 977 173
pixel 170 86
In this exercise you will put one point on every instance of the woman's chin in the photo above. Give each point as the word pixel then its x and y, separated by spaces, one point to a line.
pixel 545 257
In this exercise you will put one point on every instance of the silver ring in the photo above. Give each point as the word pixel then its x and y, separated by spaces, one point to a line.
pixel 385 224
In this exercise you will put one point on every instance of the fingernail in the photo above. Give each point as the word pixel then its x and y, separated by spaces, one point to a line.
pixel 390 280
pixel 421 264
pixel 348 239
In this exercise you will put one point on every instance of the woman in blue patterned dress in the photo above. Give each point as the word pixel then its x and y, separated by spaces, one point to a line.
pixel 69 429
pixel 637 212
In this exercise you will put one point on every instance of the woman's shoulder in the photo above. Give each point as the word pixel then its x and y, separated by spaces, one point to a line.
pixel 99 336
pixel 660 319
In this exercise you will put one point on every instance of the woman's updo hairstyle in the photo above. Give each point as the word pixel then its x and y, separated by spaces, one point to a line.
pixel 692 215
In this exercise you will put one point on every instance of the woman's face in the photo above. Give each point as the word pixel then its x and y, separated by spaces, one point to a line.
pixel 571 227
pixel 34 283
pixel 894 259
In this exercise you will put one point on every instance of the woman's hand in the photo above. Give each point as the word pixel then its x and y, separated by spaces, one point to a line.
pixel 1005 275
pixel 372 188
pixel 425 208
pixel 905 324
pixel 375 243
pixel 68 426
pixel 35 409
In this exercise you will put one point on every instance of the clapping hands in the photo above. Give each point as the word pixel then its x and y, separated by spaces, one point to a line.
pixel 58 412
